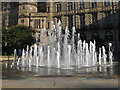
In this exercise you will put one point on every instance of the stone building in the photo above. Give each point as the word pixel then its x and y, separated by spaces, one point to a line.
pixel 91 19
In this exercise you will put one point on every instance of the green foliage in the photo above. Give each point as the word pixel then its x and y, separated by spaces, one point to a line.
pixel 16 37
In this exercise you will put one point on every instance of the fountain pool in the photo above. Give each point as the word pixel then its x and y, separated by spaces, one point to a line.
pixel 61 52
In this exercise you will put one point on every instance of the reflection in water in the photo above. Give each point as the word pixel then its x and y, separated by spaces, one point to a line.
pixel 23 69
pixel 37 70
pixel 6 65
pixel 18 68
pixel 105 69
pixel 111 71
pixel 102 71
pixel 30 69
pixel 58 71
pixel 49 71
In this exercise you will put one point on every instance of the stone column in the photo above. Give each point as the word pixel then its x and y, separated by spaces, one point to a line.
pixel 44 22
pixel 77 21
pixel 88 19
pixel 40 22
pixel 64 21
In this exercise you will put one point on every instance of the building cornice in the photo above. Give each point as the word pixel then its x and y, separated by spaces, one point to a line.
pixel 24 3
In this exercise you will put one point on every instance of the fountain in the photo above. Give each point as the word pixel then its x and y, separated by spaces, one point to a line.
pixel 61 52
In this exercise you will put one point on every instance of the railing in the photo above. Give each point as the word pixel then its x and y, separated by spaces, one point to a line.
pixel 88 10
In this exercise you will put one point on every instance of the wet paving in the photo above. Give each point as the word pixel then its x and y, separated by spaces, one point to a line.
pixel 20 73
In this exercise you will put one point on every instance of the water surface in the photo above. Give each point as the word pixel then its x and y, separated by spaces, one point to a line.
pixel 19 73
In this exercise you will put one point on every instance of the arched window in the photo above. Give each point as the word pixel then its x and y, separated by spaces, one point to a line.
pixel 108 36
pixel 70 22
pixel 48 9
pixel 82 20
pixel 37 23
pixel 59 18
pixel 95 35
pixel 94 18
pixel 82 36
pixel 23 7
pixel 58 7
pixel 22 21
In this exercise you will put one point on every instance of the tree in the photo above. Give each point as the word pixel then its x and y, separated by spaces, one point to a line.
pixel 16 37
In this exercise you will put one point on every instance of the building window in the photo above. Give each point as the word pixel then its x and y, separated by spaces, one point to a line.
pixel 94 18
pixel 31 8
pixel 37 23
pixel 81 4
pixel 41 7
pixel 70 22
pixel 70 7
pixel 82 36
pixel 108 36
pixel 23 7
pixel 107 3
pixel 95 35
pixel 58 8
pixel 94 4
pixel 82 20
pixel 22 21
pixel 48 9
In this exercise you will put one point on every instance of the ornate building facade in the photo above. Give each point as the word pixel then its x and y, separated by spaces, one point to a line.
pixel 91 19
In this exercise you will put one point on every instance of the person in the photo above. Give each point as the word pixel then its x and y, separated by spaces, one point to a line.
pixel 19 53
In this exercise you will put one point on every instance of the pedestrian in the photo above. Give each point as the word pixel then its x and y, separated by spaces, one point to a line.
pixel 19 53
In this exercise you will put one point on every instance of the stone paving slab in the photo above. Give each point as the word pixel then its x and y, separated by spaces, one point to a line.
pixel 63 82
pixel 101 83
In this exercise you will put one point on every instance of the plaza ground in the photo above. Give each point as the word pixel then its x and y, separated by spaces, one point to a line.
pixel 60 82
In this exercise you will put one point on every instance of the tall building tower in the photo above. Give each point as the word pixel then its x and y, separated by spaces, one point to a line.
pixel 9 14
pixel 5 13
pixel 25 10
